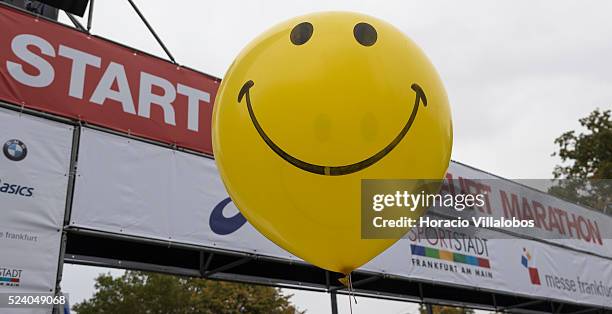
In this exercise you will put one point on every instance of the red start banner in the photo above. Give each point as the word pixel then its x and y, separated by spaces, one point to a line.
pixel 54 68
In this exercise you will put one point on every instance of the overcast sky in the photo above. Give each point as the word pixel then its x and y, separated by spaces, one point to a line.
pixel 517 73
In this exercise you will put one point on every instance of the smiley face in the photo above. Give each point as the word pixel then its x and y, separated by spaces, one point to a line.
pixel 309 109
pixel 332 170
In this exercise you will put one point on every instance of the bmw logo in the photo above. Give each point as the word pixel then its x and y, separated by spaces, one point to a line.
pixel 15 150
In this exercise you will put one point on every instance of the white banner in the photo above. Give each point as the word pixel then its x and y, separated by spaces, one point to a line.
pixel 556 220
pixel 133 188
pixel 34 164
pixel 490 261
pixel 130 187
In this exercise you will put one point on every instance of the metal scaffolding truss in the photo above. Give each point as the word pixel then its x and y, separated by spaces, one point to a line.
pixel 89 247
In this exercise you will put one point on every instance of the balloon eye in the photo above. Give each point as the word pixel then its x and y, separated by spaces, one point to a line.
pixel 301 33
pixel 365 34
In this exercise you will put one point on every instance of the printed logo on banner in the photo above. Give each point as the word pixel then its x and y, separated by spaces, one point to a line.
pixel 526 261
pixel 222 225
pixel 444 255
pixel 100 82
pixel 10 277
pixel 564 281
pixel 450 251
pixel 16 189
pixel 15 150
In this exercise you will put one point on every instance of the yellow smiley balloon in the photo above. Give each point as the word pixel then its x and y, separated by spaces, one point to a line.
pixel 309 109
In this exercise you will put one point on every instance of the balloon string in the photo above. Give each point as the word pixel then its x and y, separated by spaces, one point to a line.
pixel 351 293
pixel 350 303
pixel 352 289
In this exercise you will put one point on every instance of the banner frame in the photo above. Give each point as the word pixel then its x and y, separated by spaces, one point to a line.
pixel 55 120
pixel 325 286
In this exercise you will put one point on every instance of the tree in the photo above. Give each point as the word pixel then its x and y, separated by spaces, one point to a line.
pixel 587 162
pixel 440 309
pixel 139 292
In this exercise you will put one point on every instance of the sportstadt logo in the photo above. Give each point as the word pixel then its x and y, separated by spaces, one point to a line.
pixel 15 150
pixel 533 272
pixel 10 277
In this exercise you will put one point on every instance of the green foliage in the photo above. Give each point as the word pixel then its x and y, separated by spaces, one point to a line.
pixel 139 292
pixel 590 152
pixel 587 162
pixel 439 309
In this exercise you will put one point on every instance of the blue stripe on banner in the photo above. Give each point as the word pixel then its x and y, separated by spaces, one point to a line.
pixel 472 260
pixel 417 250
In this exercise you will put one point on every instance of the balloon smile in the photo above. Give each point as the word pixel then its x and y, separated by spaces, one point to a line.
pixel 332 170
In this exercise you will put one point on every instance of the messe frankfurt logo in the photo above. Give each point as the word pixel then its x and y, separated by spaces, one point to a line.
pixel 533 272
pixel 15 150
